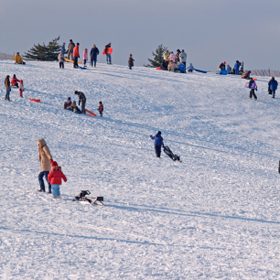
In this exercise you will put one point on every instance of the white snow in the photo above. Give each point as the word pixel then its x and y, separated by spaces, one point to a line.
pixel 213 216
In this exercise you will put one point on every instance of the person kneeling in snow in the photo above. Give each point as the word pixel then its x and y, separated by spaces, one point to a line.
pixel 158 143
pixel 55 178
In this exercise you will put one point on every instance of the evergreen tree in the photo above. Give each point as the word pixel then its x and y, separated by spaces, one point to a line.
pixel 44 52
pixel 158 56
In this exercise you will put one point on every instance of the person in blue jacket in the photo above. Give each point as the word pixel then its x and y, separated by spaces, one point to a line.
pixel 237 67
pixel 272 87
pixel 158 141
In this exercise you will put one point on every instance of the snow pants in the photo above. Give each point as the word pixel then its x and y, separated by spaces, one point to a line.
pixel 56 190
pixel 158 150
pixel 252 93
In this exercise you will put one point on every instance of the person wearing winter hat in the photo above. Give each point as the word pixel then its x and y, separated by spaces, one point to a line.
pixel 158 143
pixel 55 178
pixel 45 157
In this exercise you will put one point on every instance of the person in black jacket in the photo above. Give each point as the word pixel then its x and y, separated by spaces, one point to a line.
pixel 130 62
pixel 94 52
pixel 82 100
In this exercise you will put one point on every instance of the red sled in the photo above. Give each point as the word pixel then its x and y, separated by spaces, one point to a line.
pixel 36 100
pixel 90 113
pixel 158 68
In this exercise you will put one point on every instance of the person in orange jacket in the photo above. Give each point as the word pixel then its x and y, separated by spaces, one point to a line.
pixel 108 50
pixel 76 55
pixel 55 178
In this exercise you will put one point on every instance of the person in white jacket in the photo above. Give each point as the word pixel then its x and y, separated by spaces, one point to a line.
pixel 183 57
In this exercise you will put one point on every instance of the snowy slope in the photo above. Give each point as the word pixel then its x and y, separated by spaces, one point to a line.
pixel 213 216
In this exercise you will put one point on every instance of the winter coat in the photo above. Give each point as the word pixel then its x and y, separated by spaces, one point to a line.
pixel 81 95
pixel 60 57
pixel 273 84
pixel 94 52
pixel 131 61
pixel 253 85
pixel 44 155
pixel 14 81
pixel 85 55
pixel 76 51
pixel 18 59
pixel 158 139
pixel 183 57
pixel 172 57
pixel 56 176
pixel 100 108
pixel 7 83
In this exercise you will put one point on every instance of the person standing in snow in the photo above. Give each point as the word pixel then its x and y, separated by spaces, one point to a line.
pixel 45 158
pixel 8 87
pixel 272 87
pixel 55 178
pixel 63 50
pixel 76 55
pixel 85 56
pixel 21 88
pixel 183 57
pixel 158 141
pixel 71 46
pixel 94 52
pixel 82 100
pixel 108 50
pixel 130 62
pixel 60 59
pixel 100 108
pixel 253 87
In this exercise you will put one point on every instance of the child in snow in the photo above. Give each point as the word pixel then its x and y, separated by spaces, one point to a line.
pixel 100 108
pixel 55 178
pixel 75 108
pixel 253 87
pixel 130 62
pixel 60 59
pixel 14 81
pixel 158 143
pixel 67 104
pixel 21 88
pixel 85 56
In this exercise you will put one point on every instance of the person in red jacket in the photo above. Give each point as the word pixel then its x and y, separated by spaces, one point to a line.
pixel 76 55
pixel 55 178
pixel 14 81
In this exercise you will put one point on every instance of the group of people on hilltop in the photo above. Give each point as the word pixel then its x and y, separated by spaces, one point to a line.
pixel 13 83
pixel 73 53
pixel 174 61
pixel 237 69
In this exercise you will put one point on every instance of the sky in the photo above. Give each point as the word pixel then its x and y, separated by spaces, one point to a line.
pixel 210 31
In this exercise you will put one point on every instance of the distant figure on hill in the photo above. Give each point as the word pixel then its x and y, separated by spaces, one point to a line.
pixel 45 157
pixel 253 87
pixel 190 68
pixel 8 87
pixel 237 67
pixel 100 108
pixel 183 57
pixel 82 100
pixel 158 142
pixel 14 81
pixel 246 75
pixel 130 62
pixel 55 178
pixel 108 50
pixel 75 108
pixel 85 56
pixel 18 59
pixel 94 52
pixel 21 88
pixel 71 46
pixel 60 59
pixel 76 55
pixel 68 103
pixel 272 87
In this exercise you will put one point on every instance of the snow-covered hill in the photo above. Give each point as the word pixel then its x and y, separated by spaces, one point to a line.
pixel 213 216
